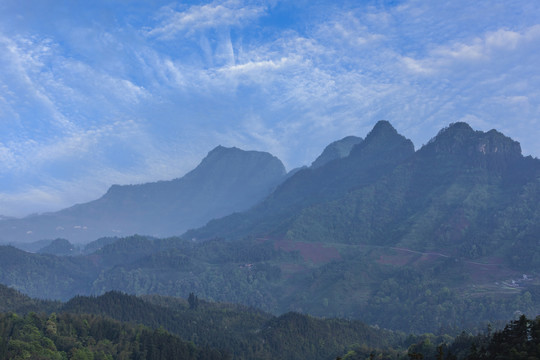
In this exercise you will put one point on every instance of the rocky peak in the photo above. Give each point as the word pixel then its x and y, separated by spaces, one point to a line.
pixel 460 138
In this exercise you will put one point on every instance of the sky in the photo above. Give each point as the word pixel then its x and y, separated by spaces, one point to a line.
pixel 102 92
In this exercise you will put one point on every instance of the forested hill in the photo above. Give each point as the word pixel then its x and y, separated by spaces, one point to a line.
pixel 222 330
pixel 117 325
pixel 469 192
pixel 227 180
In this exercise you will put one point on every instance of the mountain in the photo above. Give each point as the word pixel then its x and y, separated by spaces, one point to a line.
pixel 465 191
pixel 460 192
pixel 54 336
pixel 227 180
pixel 60 247
pixel 368 161
pixel 336 150
pixel 442 238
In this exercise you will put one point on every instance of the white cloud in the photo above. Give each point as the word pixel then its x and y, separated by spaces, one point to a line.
pixel 126 108
pixel 23 60
pixel 7 159
pixel 201 17
pixel 492 47
pixel 350 29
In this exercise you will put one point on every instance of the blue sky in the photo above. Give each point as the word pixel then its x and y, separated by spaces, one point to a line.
pixel 94 93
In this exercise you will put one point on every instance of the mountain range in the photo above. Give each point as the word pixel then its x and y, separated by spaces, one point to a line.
pixel 446 236
pixel 468 192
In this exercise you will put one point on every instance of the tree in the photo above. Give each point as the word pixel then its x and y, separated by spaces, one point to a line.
pixel 193 301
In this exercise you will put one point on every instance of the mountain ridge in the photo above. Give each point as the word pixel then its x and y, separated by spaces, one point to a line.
pixel 226 180
pixel 381 150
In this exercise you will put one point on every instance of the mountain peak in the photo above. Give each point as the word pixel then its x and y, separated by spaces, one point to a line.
pixel 456 131
pixel 227 157
pixel 461 138
pixel 384 139
pixel 336 150
pixel 220 149
pixel 382 127
pixel 492 150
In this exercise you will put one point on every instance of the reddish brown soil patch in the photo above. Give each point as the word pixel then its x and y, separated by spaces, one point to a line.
pixel 315 252
pixel 290 269
pixel 488 270
pixel 396 260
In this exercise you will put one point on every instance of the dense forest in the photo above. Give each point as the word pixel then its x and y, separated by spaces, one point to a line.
pixel 379 285
pixel 120 326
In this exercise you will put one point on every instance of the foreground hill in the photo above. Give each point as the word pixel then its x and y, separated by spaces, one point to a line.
pixel 67 336
pixel 214 330
pixel 117 325
pixel 227 180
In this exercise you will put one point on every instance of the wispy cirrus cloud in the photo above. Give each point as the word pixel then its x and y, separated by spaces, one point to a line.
pixel 228 13
pixel 143 95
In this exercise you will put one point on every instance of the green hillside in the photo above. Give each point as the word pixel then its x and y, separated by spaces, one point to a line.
pixel 120 326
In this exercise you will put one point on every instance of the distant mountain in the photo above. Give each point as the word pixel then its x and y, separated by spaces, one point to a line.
pixel 467 191
pixel 368 161
pixel 226 181
pixel 33 246
pixel 61 247
pixel 336 150
pixel 46 276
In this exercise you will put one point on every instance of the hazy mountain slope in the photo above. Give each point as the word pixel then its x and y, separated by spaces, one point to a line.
pixel 393 287
pixel 59 247
pixel 12 300
pixel 381 151
pixel 227 180
pixel 46 276
pixel 336 150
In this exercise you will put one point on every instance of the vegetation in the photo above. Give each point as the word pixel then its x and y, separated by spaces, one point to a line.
pixel 120 326
pixel 381 285
pixel 241 332
pixel 67 336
